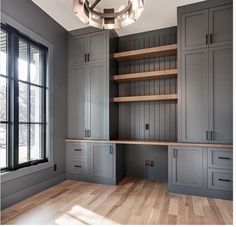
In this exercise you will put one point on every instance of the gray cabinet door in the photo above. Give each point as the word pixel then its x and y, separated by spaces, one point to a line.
pixel 102 160
pixel 77 107
pixel 221 25
pixel 78 48
pixel 194 92
pixel 97 47
pixel 98 102
pixel 194 30
pixel 221 93
pixel 187 166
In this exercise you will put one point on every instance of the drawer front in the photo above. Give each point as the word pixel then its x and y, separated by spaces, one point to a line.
pixel 219 179
pixel 220 158
pixel 78 151
pixel 77 167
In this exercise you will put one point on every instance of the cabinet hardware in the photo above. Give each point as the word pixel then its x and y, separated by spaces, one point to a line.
pixel 225 180
pixel 85 57
pixel 76 166
pixel 212 135
pixel 111 150
pixel 86 133
pixel 77 149
pixel 207 39
pixel 174 153
pixel 88 57
pixel 211 38
pixel 207 135
pixel 224 158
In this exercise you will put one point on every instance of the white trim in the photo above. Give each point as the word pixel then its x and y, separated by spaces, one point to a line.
pixel 7 176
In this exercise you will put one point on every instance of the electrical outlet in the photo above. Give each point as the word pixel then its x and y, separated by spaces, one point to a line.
pixel 146 126
pixel 147 163
pixel 55 167
pixel 152 163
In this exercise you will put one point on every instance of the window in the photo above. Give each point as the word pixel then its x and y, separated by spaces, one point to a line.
pixel 23 101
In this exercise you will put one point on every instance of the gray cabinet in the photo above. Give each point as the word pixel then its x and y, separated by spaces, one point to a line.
pixel 200 171
pixel 194 30
pixel 186 166
pixel 194 90
pixel 77 102
pixel 88 49
pixel 205 72
pixel 102 160
pixel 95 162
pixel 221 94
pixel 88 86
pixel 221 25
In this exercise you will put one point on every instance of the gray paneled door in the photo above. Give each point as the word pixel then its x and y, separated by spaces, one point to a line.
pixel 78 48
pixel 98 102
pixel 194 30
pixel 221 25
pixel 187 166
pixel 97 47
pixel 77 98
pixel 194 114
pixel 220 94
pixel 102 160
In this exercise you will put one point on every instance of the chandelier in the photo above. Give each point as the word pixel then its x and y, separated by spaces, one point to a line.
pixel 91 13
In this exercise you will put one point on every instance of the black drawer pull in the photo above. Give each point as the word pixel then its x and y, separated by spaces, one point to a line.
pixel 77 149
pixel 225 180
pixel 77 166
pixel 225 158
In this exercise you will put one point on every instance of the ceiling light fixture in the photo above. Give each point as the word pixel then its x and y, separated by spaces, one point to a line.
pixel 91 13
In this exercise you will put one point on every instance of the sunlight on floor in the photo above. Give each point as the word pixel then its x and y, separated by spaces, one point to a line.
pixel 79 215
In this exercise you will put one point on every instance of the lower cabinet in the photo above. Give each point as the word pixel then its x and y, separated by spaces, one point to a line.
pixel 95 162
pixel 200 171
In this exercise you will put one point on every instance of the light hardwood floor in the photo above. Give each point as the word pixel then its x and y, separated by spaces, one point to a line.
pixel 133 201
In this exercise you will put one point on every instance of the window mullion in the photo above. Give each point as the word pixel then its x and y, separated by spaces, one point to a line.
pixel 28 93
pixel 15 106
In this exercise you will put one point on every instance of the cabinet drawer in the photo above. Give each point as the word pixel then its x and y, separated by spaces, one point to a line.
pixel 78 151
pixel 219 179
pixel 77 167
pixel 220 158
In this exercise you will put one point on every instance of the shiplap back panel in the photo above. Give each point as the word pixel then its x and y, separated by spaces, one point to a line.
pixel 160 115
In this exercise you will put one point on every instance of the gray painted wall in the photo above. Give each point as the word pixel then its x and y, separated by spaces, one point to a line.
pixel 33 18
pixel 162 115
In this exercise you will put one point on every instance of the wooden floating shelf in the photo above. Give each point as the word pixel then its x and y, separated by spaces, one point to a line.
pixel 146 75
pixel 146 53
pixel 145 98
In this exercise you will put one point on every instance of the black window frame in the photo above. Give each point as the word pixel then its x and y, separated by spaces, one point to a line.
pixel 13 38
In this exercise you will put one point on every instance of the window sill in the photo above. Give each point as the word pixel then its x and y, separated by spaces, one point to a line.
pixel 11 175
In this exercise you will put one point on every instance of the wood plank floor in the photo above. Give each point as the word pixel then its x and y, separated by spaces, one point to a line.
pixel 133 201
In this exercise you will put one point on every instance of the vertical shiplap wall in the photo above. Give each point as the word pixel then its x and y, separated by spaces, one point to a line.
pixel 160 115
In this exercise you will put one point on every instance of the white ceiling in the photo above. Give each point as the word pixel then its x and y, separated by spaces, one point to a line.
pixel 157 14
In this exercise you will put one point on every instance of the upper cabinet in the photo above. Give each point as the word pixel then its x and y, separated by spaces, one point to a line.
pixel 89 85
pixel 194 29
pixel 88 49
pixel 205 73
pixel 221 25
pixel 206 27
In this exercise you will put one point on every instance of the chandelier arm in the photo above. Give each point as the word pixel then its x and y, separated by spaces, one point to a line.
pixel 108 15
pixel 94 4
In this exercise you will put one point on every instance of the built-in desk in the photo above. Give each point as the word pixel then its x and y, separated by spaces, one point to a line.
pixel 158 143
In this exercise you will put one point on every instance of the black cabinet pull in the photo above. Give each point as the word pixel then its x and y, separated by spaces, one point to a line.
pixel 77 149
pixel 174 153
pixel 76 166
pixel 211 38
pixel 207 135
pixel 111 150
pixel 207 39
pixel 225 158
pixel 212 135
pixel 225 180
